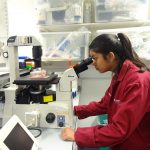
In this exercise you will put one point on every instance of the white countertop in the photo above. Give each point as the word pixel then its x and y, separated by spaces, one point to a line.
pixel 4 73
pixel 50 140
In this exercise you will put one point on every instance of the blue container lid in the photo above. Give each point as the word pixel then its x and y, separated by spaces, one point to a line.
pixel 22 57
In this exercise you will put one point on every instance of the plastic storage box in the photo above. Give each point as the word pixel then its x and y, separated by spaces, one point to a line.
pixel 120 10
pixel 103 120
pixel 59 11
pixel 139 37
pixel 65 45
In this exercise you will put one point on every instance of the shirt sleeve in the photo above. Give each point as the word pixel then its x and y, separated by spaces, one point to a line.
pixel 93 108
pixel 123 122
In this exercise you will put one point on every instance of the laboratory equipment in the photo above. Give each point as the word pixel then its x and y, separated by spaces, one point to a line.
pixel 3 57
pixel 53 109
pixel 33 101
pixel 15 135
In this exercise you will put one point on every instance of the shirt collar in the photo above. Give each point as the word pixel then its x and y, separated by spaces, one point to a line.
pixel 125 67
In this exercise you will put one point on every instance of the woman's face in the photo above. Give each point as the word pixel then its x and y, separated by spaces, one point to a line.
pixel 103 64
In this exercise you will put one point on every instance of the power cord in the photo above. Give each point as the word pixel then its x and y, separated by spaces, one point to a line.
pixel 6 85
pixel 35 129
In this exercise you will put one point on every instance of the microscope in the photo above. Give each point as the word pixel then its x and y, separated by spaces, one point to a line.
pixel 3 57
pixel 32 99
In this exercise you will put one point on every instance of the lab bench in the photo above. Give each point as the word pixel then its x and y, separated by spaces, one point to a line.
pixel 50 139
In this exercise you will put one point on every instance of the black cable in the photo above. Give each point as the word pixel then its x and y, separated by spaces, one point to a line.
pixel 37 129
pixel 6 85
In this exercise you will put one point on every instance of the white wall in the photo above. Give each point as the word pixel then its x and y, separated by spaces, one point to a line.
pixel 22 21
pixel 93 88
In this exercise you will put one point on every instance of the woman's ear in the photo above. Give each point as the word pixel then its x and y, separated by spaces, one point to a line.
pixel 111 57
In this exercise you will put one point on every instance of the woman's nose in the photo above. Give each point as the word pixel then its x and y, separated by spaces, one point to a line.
pixel 93 63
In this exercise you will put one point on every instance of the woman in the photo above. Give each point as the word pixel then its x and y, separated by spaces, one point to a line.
pixel 127 100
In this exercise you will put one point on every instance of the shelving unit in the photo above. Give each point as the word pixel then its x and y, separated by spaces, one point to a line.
pixel 97 24
pixel 92 26
pixel 56 5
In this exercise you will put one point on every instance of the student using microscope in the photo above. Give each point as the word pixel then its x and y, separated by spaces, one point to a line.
pixel 126 101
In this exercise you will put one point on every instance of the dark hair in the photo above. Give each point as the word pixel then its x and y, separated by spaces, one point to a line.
pixel 120 45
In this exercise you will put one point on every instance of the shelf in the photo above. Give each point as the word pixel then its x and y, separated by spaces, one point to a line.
pixel 57 9
pixel 58 65
pixel 92 26
pixel 59 62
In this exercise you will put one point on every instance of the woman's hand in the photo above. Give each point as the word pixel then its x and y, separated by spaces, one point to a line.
pixel 67 134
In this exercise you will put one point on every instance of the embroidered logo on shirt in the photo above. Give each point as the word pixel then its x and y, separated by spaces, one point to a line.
pixel 109 94
pixel 116 100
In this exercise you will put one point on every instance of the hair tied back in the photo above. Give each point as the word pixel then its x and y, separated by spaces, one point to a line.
pixel 117 37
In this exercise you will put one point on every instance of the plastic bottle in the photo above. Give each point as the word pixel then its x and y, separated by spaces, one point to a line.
pixel 77 13
pixel 87 11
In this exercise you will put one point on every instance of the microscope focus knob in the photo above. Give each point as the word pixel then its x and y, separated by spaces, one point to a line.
pixel 50 117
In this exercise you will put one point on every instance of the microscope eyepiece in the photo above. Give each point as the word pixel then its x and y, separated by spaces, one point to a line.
pixel 87 61
pixel 83 65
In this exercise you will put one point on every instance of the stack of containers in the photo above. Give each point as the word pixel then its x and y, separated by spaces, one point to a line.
pixel 65 45
pixel 121 10
pixel 59 11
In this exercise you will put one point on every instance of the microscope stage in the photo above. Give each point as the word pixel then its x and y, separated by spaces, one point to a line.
pixel 52 79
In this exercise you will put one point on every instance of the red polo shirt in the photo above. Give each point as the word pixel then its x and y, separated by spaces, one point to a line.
pixel 127 103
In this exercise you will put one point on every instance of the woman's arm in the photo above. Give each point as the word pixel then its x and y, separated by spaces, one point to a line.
pixel 93 108
pixel 130 111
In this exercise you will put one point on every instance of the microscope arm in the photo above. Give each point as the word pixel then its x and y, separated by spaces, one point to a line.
pixel 65 80
pixel 71 74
